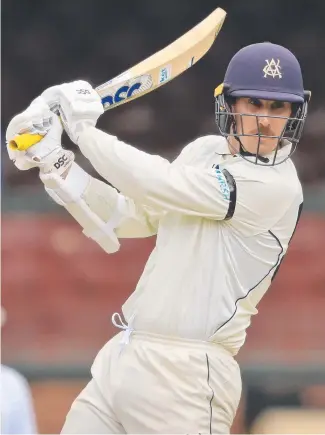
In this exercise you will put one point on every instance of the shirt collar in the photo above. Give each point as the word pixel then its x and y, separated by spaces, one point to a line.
pixel 223 148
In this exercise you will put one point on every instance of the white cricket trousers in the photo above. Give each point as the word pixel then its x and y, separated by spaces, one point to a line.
pixel 158 385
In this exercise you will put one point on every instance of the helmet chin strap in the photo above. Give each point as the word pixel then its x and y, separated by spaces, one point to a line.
pixel 243 152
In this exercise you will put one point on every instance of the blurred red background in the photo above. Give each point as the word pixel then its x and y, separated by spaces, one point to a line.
pixel 61 289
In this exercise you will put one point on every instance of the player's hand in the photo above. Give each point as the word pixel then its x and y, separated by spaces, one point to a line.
pixel 79 106
pixel 48 154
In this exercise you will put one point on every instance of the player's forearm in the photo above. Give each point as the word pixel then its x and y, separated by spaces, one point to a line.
pixel 128 169
pixel 154 181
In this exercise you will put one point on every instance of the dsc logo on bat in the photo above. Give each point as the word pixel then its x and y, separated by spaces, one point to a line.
pixel 127 90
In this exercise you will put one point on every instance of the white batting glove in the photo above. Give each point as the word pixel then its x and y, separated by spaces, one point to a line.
pixel 48 154
pixel 79 106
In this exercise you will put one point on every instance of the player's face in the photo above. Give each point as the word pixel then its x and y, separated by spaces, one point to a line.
pixel 262 124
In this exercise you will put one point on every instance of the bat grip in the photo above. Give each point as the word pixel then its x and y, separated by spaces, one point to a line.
pixel 21 142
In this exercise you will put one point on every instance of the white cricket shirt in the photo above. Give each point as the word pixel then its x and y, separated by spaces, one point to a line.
pixel 223 226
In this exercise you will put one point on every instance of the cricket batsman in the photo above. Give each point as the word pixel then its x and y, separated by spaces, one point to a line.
pixel 224 213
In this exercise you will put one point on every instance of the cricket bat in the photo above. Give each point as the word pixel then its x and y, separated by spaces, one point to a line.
pixel 151 73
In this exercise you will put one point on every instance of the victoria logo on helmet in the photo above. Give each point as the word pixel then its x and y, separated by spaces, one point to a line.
pixel 272 68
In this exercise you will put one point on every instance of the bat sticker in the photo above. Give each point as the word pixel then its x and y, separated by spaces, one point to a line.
pixel 127 90
pixel 165 74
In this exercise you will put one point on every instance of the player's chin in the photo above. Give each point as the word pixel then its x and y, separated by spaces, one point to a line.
pixel 261 145
pixel 267 145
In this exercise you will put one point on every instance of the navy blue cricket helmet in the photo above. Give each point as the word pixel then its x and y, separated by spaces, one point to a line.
pixel 263 71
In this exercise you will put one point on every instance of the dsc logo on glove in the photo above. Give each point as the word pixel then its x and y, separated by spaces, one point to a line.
pixel 83 91
pixel 61 161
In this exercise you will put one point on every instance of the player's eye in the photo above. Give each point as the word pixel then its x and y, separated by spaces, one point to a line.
pixel 255 102
pixel 277 105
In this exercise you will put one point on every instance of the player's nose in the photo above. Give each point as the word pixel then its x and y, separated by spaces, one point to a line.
pixel 264 120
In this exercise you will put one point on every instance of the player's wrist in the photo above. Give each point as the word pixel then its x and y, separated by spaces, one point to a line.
pixel 68 186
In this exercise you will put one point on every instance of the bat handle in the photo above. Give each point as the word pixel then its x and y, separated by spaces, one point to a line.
pixel 21 142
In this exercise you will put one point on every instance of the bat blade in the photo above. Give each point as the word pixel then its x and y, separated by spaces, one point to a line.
pixel 153 72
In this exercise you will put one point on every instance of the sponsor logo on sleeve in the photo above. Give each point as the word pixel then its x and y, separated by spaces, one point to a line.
pixel 224 187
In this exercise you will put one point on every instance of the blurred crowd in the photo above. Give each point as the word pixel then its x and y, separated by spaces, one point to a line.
pixel 95 40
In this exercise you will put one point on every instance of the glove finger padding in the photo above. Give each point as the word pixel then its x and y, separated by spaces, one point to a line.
pixel 35 120
pixel 47 154
pixel 51 141
pixel 79 106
